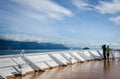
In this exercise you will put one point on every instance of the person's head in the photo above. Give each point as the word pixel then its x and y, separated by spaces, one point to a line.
pixel 104 45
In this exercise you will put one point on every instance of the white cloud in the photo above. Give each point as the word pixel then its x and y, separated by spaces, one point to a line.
pixel 70 43
pixel 116 20
pixel 81 4
pixel 20 37
pixel 115 45
pixel 29 38
pixel 47 7
pixel 108 7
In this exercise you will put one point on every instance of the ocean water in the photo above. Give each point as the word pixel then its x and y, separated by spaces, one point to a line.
pixel 11 52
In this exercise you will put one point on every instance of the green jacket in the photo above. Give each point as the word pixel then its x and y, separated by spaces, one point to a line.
pixel 108 50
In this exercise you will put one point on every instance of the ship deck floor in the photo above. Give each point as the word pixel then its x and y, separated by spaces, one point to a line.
pixel 98 69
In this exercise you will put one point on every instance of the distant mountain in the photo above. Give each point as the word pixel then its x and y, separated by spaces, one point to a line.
pixel 8 45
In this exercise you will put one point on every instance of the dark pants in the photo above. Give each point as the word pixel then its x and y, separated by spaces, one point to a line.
pixel 108 55
pixel 104 54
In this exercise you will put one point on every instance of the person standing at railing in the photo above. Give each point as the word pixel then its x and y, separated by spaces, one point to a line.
pixel 104 51
pixel 108 49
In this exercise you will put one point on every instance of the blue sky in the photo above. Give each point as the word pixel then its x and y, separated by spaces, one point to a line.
pixel 70 22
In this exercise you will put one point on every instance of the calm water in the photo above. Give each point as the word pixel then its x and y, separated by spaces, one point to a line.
pixel 10 52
